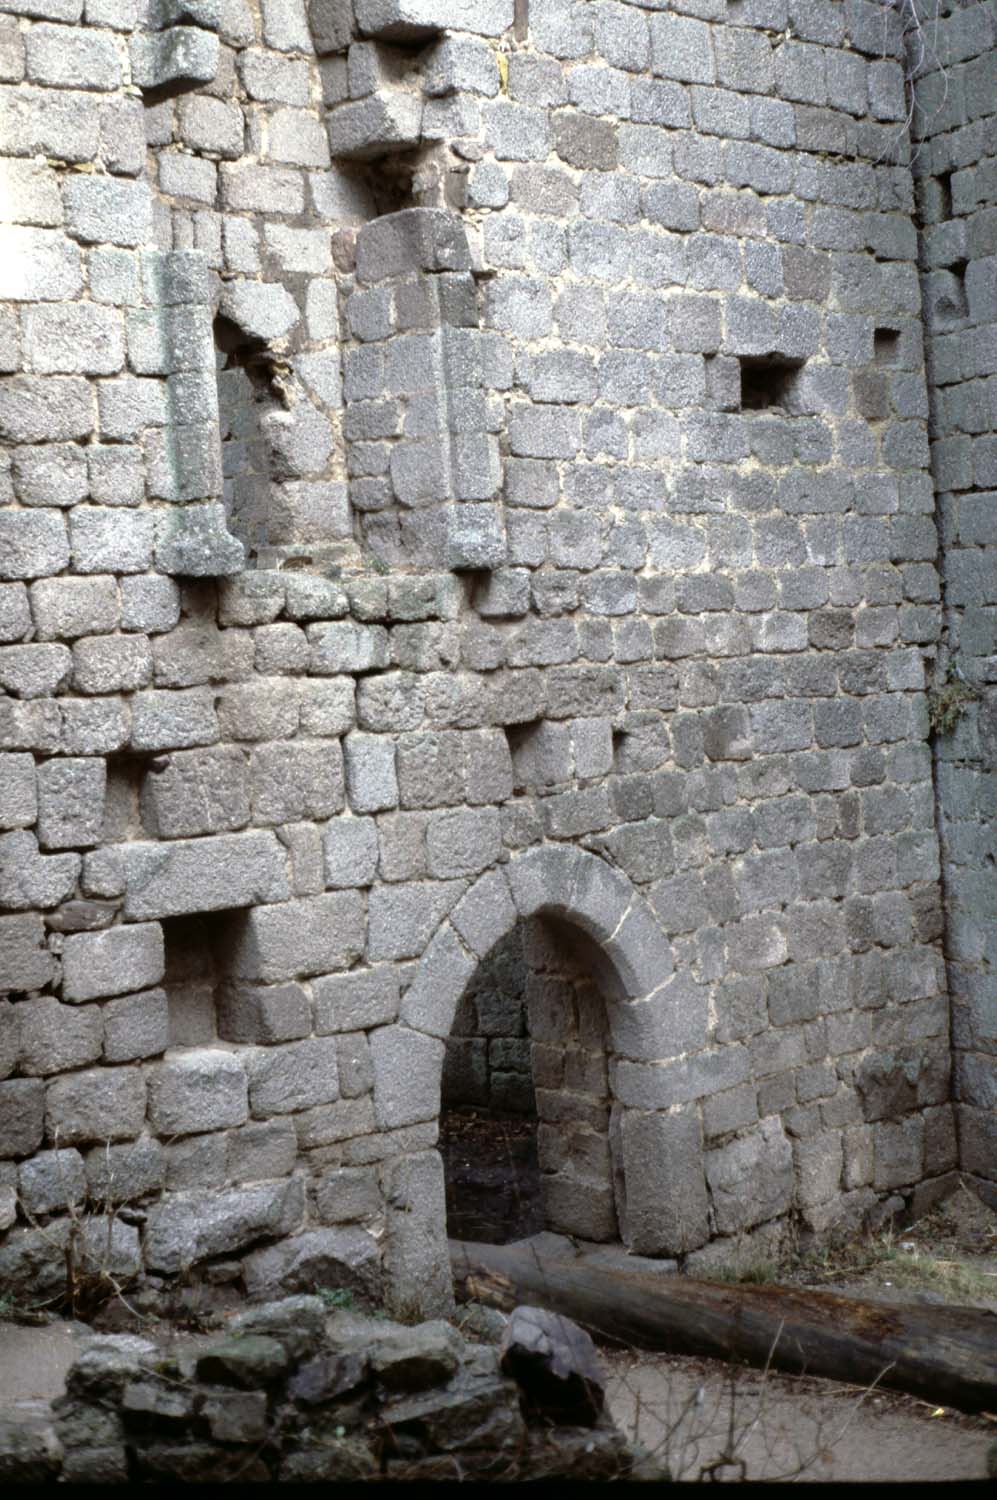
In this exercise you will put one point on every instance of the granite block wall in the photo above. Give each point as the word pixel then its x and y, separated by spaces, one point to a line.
pixel 957 205
pixel 464 464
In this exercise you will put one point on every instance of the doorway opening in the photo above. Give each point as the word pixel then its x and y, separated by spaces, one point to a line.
pixel 525 1106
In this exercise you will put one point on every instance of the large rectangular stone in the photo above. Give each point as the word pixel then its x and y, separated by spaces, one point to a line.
pixel 102 1104
pixel 195 792
pixel 211 874
pixel 204 1089
pixel 314 935
pixel 356 1001
pixel 25 962
pixel 113 962
pixel 300 1075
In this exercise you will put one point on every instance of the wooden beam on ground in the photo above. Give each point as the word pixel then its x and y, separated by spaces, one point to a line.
pixel 947 1355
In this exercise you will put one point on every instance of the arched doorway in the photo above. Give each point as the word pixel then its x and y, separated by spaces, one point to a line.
pixel 650 1016
pixel 525 1101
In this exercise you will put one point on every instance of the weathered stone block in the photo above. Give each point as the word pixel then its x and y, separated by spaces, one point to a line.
pixel 183 55
pixel 263 1013
pixel 197 1091
pixel 32 542
pixel 356 1001
pixel 293 1077
pixel 71 803
pixel 195 792
pixel 404 917
pixel 51 1180
pixel 188 1227
pixel 121 1174
pixel 320 1258
pixel 751 1179
pixel 22 1116
pixel 407 1069
pixel 577 1205
pixel 103 1104
pixel 25 962
pixel 55 1037
pixel 351 852
pixel 344 1194
pixel 415 1263
pixel 193 540
pixel 296 781
pixel 309 936
pixel 112 962
pixel 18 792
pixel 260 1151
pixel 366 129
pixel 209 874
pixel 135 1026
pixel 898 1148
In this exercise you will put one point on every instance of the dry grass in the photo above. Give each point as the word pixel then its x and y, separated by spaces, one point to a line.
pixel 959 1266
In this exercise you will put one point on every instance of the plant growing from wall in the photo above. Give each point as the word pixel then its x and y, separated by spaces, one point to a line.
pixel 948 703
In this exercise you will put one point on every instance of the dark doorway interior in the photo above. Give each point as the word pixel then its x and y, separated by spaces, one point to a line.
pixel 524 1128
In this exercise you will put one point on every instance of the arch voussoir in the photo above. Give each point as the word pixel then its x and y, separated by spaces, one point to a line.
pixel 639 952
pixel 430 1003
pixel 486 913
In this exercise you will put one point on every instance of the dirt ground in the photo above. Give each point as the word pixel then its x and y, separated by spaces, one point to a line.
pixel 699 1414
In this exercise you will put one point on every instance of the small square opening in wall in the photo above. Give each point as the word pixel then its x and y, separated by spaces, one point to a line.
pixel 886 346
pixel 944 181
pixel 768 382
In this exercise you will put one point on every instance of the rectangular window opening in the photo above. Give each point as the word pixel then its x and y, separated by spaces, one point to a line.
pixel 768 382
pixel 885 346
pixel 944 180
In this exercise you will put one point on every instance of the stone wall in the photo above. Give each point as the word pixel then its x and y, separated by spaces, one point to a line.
pixel 957 206
pixel 587 572
pixel 287 1392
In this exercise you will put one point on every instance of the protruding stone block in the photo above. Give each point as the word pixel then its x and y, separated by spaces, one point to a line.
pixel 194 541
pixel 188 1227
pixel 366 129
pixel 414 239
pixel 475 537
pixel 414 20
pixel 182 57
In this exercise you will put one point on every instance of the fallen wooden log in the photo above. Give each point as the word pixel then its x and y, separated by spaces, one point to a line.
pixel 947 1355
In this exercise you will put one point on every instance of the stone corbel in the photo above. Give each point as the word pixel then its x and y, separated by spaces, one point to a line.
pixel 177 47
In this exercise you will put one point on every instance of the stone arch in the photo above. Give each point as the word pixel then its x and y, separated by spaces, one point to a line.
pixel 653 1014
